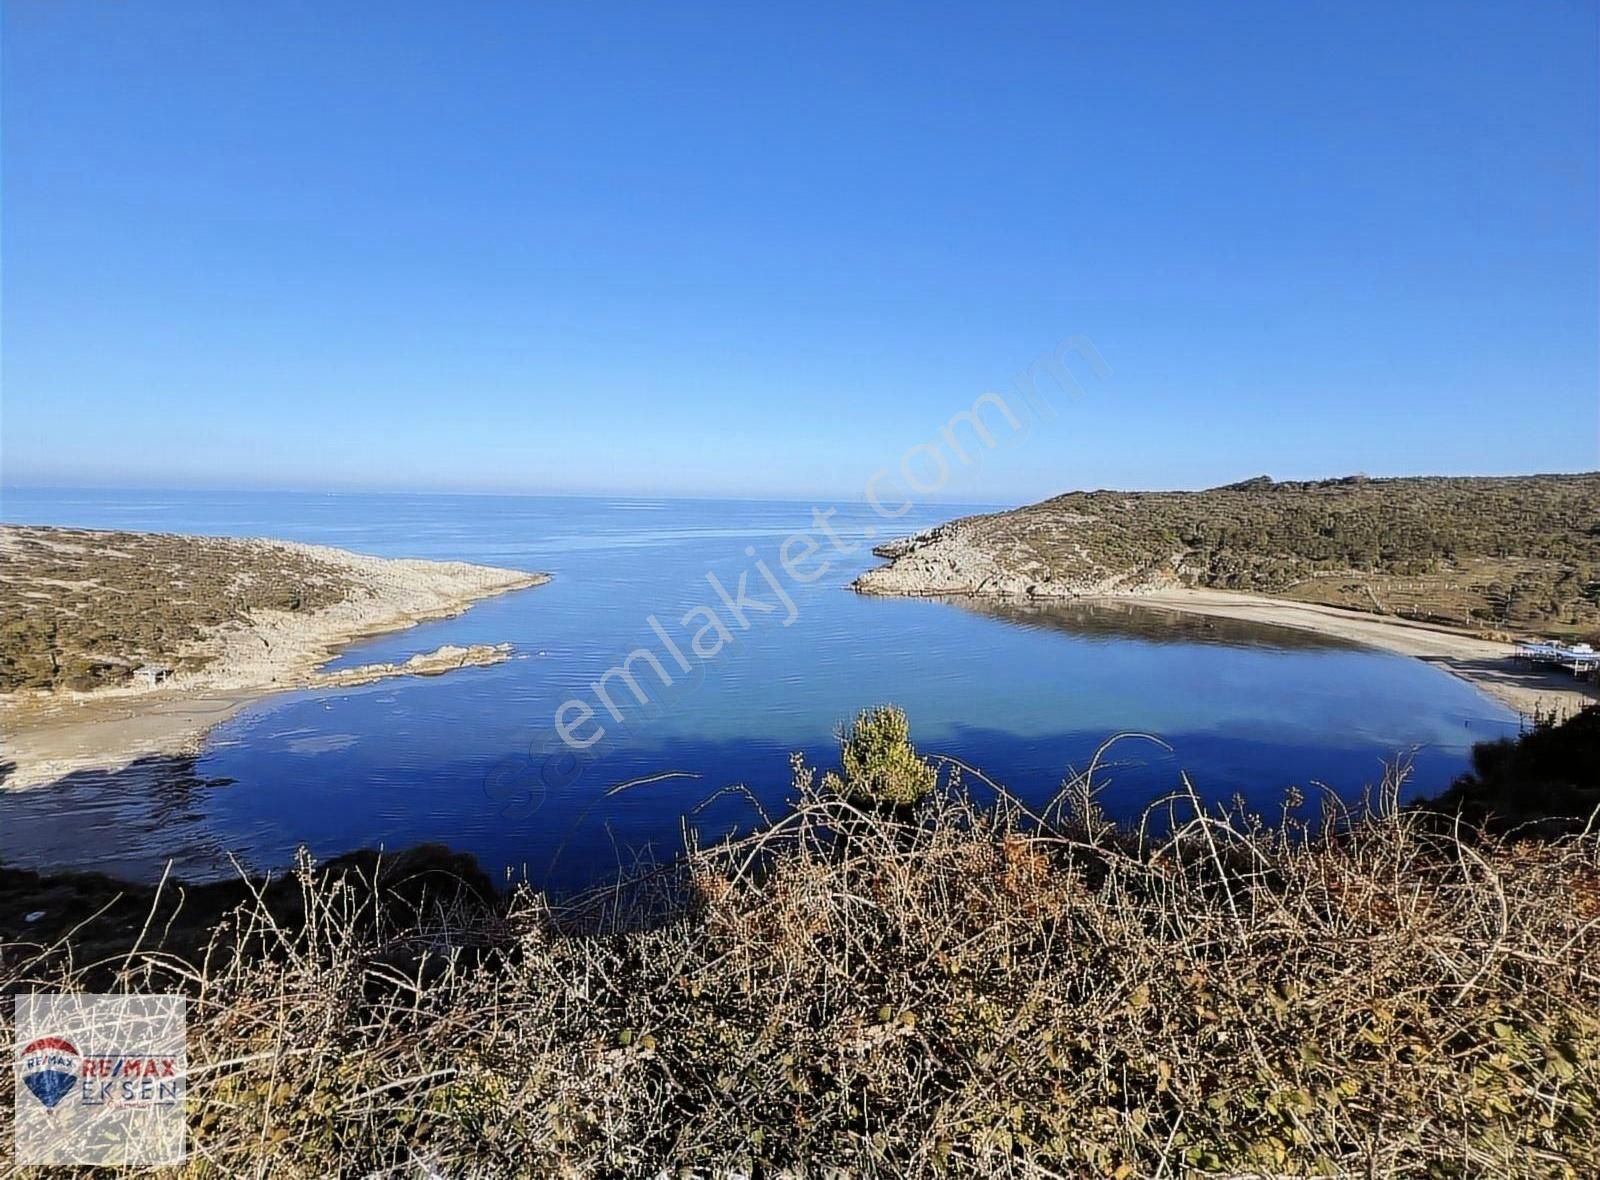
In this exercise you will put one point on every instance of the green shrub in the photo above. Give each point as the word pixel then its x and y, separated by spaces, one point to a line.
pixel 1547 780
pixel 881 766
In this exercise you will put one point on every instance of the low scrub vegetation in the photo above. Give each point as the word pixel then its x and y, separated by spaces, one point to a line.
pixel 1514 553
pixel 81 609
pixel 879 767
pixel 894 986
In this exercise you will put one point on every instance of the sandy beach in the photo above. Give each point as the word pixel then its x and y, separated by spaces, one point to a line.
pixel 1487 664
pixel 961 559
pixel 49 734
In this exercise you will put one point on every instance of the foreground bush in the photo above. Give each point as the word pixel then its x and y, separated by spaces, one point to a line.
pixel 978 992
pixel 1547 780
pixel 880 768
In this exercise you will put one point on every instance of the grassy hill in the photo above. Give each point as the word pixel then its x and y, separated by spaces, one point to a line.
pixel 1519 553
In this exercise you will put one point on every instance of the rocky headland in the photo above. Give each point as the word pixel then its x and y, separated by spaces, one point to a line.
pixel 120 645
pixel 1444 569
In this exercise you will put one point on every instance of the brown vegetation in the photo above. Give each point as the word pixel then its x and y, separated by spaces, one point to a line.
pixel 81 609
pixel 968 991
pixel 1512 553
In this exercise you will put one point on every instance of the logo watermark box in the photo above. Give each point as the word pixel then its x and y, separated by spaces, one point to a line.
pixel 100 1079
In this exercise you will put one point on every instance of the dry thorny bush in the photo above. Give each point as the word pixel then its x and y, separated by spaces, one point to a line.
pixel 962 989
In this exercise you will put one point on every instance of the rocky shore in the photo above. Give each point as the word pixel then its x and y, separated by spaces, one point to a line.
pixel 966 557
pixel 448 658
pixel 214 671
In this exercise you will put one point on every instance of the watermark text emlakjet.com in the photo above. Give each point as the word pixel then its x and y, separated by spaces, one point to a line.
pixel 678 649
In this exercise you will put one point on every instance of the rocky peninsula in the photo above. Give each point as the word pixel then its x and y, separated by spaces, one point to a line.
pixel 118 645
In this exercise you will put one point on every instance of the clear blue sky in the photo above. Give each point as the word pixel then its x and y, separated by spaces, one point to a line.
pixel 702 249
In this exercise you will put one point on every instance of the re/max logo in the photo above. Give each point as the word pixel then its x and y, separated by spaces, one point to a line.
pixel 130 1081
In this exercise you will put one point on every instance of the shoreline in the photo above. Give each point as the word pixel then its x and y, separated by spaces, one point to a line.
pixel 1486 664
pixel 52 734
pixel 951 562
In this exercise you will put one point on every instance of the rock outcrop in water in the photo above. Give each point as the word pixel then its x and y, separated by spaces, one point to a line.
pixel 434 663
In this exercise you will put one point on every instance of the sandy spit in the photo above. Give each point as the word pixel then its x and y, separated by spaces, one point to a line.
pixel 48 735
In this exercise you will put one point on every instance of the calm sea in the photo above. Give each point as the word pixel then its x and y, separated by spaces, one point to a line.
pixel 472 759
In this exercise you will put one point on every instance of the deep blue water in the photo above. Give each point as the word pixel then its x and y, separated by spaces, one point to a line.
pixel 472 759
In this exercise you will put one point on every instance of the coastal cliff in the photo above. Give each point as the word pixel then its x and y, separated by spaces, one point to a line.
pixel 983 556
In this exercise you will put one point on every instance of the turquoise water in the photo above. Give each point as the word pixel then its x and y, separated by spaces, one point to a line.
pixel 473 759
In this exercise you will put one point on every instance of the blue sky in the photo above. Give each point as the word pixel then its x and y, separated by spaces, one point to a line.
pixel 736 249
